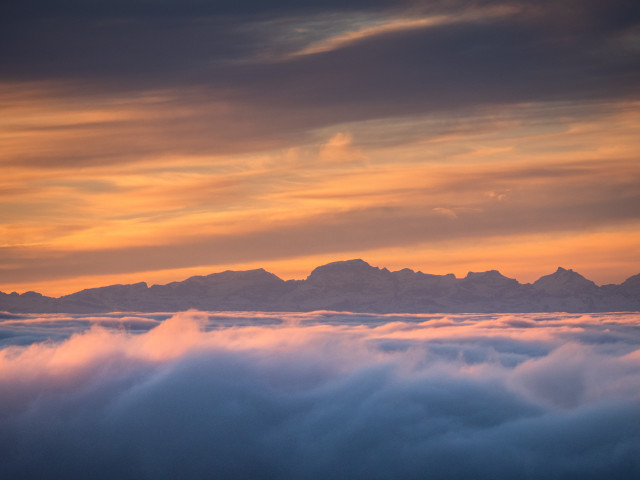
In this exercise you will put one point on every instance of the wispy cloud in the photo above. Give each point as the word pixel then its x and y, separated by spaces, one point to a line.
pixel 392 25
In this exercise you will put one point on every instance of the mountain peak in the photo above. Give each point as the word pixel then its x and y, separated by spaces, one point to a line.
pixel 344 266
pixel 485 275
pixel 242 276
pixel 355 262
pixel 344 271
pixel 563 281
pixel 561 271
pixel 490 278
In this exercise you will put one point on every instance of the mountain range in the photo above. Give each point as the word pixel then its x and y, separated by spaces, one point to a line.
pixel 351 285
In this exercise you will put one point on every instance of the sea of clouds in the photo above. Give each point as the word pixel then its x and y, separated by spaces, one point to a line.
pixel 320 395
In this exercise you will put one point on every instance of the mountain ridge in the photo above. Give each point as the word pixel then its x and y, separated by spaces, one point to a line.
pixel 351 285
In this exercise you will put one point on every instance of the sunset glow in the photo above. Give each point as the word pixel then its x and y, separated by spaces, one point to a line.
pixel 303 146
pixel 431 135
pixel 347 240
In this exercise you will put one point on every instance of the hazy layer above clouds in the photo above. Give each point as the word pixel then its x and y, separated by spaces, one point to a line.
pixel 318 395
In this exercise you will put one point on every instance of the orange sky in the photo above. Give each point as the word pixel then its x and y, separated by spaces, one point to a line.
pixel 102 183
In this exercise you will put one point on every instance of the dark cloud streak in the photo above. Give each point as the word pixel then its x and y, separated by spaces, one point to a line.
pixel 549 52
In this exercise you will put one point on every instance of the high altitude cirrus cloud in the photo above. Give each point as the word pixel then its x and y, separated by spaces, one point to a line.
pixel 317 395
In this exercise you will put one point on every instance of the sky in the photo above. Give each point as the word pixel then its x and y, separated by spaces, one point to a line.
pixel 152 141
pixel 320 395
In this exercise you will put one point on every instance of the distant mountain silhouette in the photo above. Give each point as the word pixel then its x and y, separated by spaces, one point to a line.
pixel 351 285
pixel 564 282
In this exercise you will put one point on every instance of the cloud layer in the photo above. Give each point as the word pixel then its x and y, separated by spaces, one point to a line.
pixel 239 395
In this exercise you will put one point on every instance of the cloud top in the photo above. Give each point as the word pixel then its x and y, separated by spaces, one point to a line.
pixel 319 394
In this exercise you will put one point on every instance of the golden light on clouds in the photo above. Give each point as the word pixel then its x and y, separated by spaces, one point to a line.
pixel 467 188
pixel 389 161
pixel 438 137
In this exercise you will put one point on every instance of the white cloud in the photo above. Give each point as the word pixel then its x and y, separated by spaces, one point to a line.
pixel 313 395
